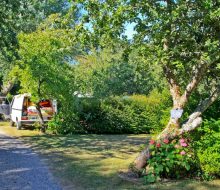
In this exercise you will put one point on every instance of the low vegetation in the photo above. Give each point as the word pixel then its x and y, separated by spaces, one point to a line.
pixel 207 148
pixel 137 114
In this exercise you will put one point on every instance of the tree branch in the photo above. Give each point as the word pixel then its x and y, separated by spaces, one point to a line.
pixel 197 76
pixel 195 119
pixel 208 101
pixel 173 84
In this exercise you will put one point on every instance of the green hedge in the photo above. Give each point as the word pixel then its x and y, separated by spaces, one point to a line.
pixel 66 122
pixel 135 114
pixel 207 146
pixel 117 115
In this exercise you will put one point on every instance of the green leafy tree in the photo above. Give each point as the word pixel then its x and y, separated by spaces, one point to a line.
pixel 106 72
pixel 181 36
pixel 11 12
pixel 24 16
pixel 44 69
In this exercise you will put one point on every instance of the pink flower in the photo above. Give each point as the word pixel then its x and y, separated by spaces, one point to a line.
pixel 182 152
pixel 152 141
pixel 158 145
pixel 182 141
pixel 166 141
pixel 184 144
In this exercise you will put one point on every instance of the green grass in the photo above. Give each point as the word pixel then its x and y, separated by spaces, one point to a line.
pixel 2 123
pixel 92 161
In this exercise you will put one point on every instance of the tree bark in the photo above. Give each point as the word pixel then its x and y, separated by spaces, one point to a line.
pixel 170 131
pixel 195 119
pixel 7 87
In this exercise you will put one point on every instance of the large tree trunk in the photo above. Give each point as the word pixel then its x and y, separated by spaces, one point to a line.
pixel 170 131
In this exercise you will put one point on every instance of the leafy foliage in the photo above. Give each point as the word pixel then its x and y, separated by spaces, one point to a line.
pixel 194 155
pixel 207 146
pixel 106 72
pixel 213 111
pixel 9 11
pixel 12 13
pixel 43 69
pixel 174 34
pixel 25 16
pixel 128 114
pixel 170 159
pixel 66 121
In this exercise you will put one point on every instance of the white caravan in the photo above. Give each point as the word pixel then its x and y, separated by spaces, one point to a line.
pixel 24 112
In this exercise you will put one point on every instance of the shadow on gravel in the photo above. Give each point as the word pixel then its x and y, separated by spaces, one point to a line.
pixel 21 168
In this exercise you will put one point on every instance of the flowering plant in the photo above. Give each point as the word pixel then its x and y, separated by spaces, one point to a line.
pixel 169 159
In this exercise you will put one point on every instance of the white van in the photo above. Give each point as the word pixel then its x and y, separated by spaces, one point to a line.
pixel 24 112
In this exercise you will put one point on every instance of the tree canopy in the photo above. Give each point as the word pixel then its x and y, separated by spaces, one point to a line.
pixel 25 16
pixel 44 68
pixel 108 73
pixel 182 36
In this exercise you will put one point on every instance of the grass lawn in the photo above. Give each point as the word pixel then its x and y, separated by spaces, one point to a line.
pixel 92 161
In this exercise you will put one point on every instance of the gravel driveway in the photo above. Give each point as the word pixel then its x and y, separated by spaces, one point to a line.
pixel 21 168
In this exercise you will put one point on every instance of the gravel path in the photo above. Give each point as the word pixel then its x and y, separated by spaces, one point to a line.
pixel 21 168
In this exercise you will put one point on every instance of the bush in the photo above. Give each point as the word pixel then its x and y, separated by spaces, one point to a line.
pixel 169 159
pixel 136 114
pixel 128 114
pixel 114 115
pixel 66 121
pixel 207 146
pixel 197 154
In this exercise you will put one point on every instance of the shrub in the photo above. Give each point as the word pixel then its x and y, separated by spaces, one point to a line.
pixel 128 114
pixel 169 159
pixel 195 155
pixel 207 146
pixel 65 122
pixel 135 114
pixel 113 115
